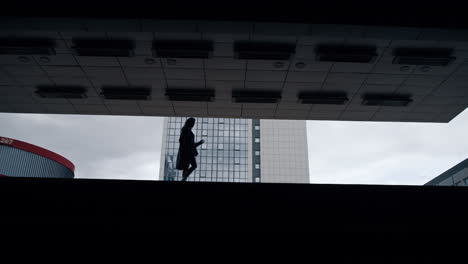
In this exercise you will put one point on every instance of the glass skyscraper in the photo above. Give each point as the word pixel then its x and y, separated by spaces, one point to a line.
pixel 223 158
pixel 239 150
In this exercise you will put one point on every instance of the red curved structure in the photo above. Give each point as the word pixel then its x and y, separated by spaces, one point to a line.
pixel 37 150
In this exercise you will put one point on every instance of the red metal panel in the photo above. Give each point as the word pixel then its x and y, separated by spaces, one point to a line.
pixel 37 150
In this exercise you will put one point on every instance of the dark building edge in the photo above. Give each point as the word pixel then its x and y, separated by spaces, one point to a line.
pixel 449 173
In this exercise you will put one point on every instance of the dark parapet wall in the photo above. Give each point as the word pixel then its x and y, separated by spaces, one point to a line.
pixel 149 206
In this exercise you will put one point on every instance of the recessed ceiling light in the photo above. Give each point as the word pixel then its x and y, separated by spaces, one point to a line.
pixel 44 59
pixel 404 68
pixel 201 95
pixel 71 92
pixel 256 96
pixel 300 65
pixel 278 64
pixel 263 51
pixel 190 49
pixel 425 68
pixel 23 59
pixel 346 53
pixel 171 61
pixel 423 56
pixel 27 46
pixel 100 47
pixel 149 61
pixel 336 98
pixel 126 93
pixel 386 100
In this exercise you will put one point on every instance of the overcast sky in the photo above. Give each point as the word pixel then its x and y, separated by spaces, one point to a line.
pixel 121 147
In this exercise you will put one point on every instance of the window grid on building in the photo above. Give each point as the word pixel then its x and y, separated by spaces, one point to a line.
pixel 223 157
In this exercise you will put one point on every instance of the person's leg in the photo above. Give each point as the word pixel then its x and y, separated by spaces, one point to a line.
pixel 184 172
pixel 193 164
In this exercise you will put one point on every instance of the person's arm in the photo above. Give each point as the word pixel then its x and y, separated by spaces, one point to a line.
pixel 199 143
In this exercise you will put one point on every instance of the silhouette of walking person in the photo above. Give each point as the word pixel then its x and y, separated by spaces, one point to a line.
pixel 187 149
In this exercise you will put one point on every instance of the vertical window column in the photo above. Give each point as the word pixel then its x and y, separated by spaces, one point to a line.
pixel 256 171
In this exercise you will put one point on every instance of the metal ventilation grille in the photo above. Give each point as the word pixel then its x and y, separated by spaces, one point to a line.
pixel 27 46
pixel 256 97
pixel 126 93
pixel 195 49
pixel 69 92
pixel 423 56
pixel 103 47
pixel 386 100
pixel 202 95
pixel 346 53
pixel 263 51
pixel 322 98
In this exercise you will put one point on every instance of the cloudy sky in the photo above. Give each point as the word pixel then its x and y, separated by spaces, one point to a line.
pixel 121 147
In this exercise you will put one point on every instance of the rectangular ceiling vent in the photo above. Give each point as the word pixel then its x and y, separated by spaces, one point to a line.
pixel 346 53
pixel 68 92
pixel 322 98
pixel 103 47
pixel 256 96
pixel 126 93
pixel 192 49
pixel 263 51
pixel 27 46
pixel 198 95
pixel 386 100
pixel 423 56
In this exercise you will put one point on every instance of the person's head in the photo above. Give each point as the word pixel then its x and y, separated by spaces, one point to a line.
pixel 189 123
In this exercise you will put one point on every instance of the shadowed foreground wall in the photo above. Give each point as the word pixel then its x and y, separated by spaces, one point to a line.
pixel 107 205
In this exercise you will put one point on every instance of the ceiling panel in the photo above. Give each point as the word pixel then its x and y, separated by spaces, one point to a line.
pixel 310 65
pixel 17 60
pixel 267 65
pixel 376 88
pixel 185 74
pixel 23 70
pixel 225 75
pixel 266 76
pixel 386 79
pixel 352 67
pixel 69 71
pixel 291 114
pixel 92 109
pixel 56 60
pixel 356 116
pixel 97 61
pixel 324 115
pixel 140 61
pixel 60 109
pixel 346 78
pixel 313 77
pixel 182 63
pixel 435 90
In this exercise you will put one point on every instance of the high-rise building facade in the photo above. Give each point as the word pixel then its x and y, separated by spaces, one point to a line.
pixel 240 150
pixel 223 158
pixel 283 151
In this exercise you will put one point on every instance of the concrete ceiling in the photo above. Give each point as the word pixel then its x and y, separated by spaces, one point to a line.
pixel 439 93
